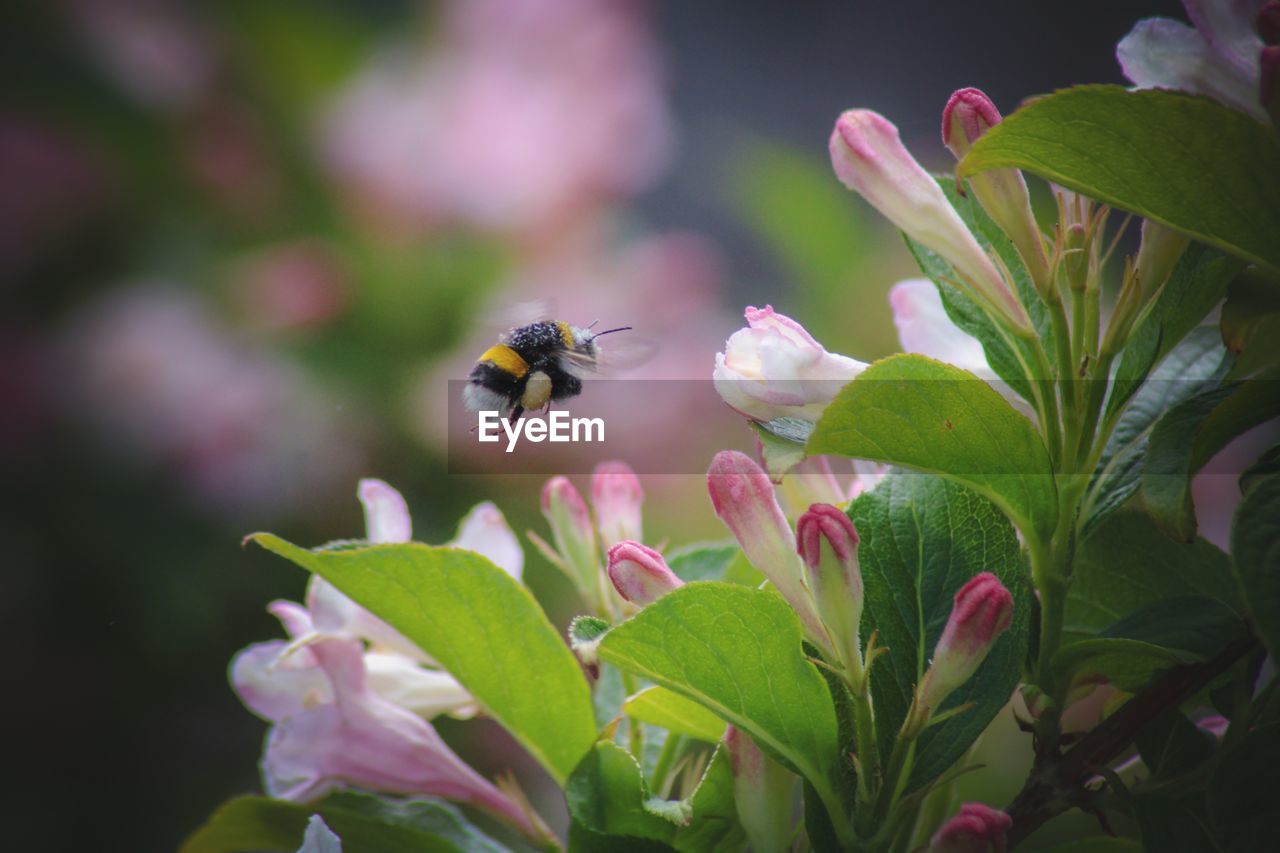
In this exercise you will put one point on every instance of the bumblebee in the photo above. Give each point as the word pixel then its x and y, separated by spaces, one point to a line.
pixel 532 366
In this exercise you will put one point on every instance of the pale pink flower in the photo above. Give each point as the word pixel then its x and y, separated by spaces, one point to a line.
pixel 640 574
pixel 1220 57
pixel 925 328
pixel 976 828
pixel 516 117
pixel 360 739
pixel 774 368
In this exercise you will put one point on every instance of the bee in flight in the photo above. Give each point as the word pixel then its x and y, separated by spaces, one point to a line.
pixel 533 365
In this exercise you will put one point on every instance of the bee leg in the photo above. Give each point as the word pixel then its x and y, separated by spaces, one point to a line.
pixel 515 414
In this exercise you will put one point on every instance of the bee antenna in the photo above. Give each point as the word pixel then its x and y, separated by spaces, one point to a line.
pixel 610 331
pixel 592 324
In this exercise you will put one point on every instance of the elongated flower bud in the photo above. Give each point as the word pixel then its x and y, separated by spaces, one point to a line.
pixel 828 546
pixel 1001 192
pixel 616 496
pixel 575 538
pixel 869 158
pixel 640 574
pixel 761 791
pixel 743 499
pixel 983 610
pixel 976 828
pixel 1158 253
pixel 386 515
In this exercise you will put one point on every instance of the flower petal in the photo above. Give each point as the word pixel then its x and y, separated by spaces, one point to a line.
pixel 275 684
pixel 386 515
pixel 1163 53
pixel 426 692
pixel 485 531
pixel 925 328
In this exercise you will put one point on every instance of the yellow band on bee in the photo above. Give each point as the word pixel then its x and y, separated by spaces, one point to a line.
pixel 506 359
pixel 566 333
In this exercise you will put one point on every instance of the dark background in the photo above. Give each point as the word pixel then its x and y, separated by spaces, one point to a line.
pixel 125 596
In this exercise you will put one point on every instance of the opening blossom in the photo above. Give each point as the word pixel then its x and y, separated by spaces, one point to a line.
pixel 774 369
pixel 1222 56
pixel 349 696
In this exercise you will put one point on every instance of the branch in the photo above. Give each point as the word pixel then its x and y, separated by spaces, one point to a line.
pixel 1057 781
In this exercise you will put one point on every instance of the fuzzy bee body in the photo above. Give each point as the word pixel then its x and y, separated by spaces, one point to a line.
pixel 531 367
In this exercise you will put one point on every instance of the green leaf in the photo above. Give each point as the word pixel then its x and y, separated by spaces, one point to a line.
pixel 921 539
pixel 1255 556
pixel 1264 466
pixel 1172 745
pixel 1197 364
pixel 1252 299
pixel 784 449
pixel 1126 563
pixel 1183 160
pixel 1242 792
pixel 736 651
pixel 702 562
pixel 1196 284
pixel 365 823
pixel 482 626
pixel 913 411
pixel 1164 633
pixel 612 808
pixel 1189 435
pixel 659 706
pixel 1174 825
pixel 1006 357
pixel 1126 664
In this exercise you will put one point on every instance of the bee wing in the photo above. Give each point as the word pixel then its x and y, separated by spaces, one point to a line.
pixel 613 355
pixel 513 315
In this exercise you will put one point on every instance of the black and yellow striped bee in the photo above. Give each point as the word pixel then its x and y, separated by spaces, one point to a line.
pixel 532 366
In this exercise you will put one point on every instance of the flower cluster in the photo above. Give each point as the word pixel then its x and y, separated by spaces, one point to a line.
pixel 350 698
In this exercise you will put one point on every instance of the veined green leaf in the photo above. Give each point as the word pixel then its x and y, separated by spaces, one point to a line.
pixel 481 625
pixel 919 413
pixel 659 706
pixel 1183 160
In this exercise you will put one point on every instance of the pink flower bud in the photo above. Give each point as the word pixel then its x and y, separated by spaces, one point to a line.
pixel 774 368
pixel 968 114
pixel 640 574
pixel 574 535
pixel 762 792
pixel 983 610
pixel 1002 192
pixel 976 828
pixel 743 499
pixel 869 158
pixel 828 546
pixel 617 496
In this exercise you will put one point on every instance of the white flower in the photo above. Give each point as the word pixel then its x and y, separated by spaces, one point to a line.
pixel 774 369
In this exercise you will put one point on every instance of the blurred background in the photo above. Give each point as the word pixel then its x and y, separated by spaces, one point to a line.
pixel 244 245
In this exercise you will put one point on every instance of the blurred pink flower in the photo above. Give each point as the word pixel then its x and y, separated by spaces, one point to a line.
pixel 519 115
pixel 292 285
pixel 617 498
pixel 158 51
pixel 159 378
pixel 53 187
pixel 1220 57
